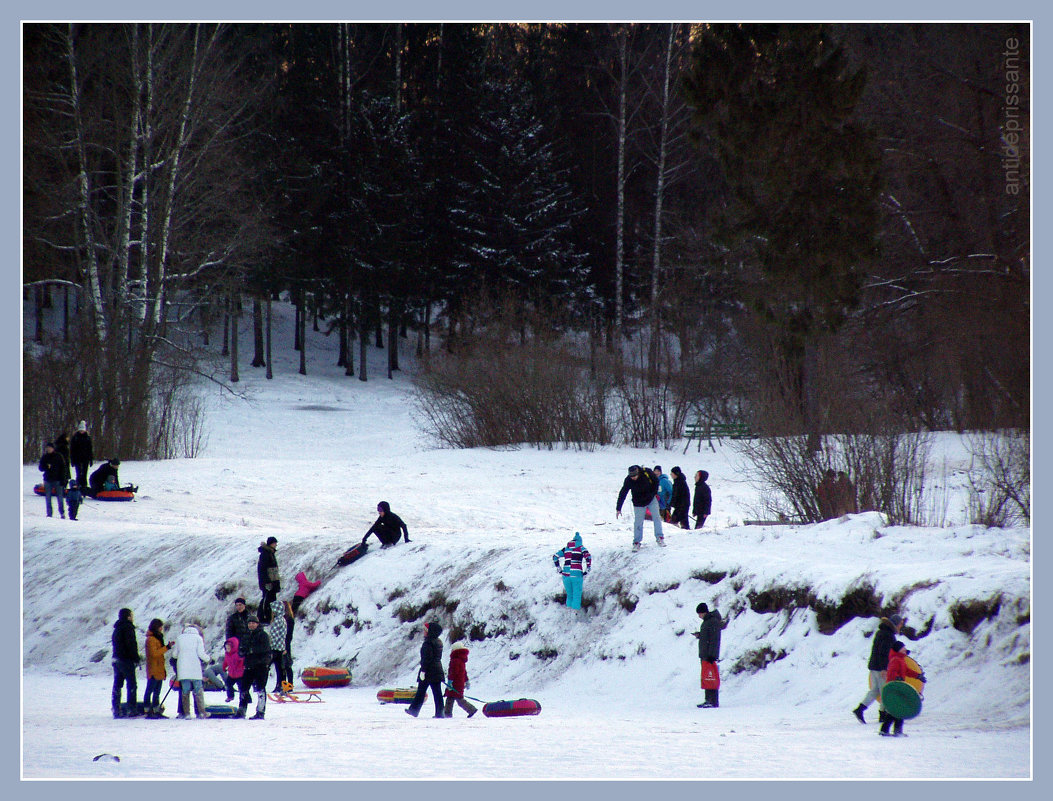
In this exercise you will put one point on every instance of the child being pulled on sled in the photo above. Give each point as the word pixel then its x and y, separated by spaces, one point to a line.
pixel 458 680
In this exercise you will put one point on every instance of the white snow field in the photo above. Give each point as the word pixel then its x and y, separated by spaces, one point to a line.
pixel 307 458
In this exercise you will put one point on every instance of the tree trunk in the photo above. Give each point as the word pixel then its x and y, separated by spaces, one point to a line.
pixel 302 336
pixel 234 304
pixel 349 333
pixel 619 250
pixel 257 333
pixel 270 373
pixel 226 326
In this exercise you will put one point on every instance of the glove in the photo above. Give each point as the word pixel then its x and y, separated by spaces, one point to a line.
pixel 583 575
pixel 420 675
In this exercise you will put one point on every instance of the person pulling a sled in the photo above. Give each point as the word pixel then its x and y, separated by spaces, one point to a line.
pixel 574 555
pixel 388 527
pixel 458 682
pixel 431 673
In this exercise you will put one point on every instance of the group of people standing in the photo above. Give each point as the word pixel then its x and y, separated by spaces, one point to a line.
pixel 655 497
pixel 65 464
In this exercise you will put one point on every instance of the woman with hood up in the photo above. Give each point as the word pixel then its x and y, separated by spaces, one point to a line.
pixel 573 555
pixel 233 666
pixel 276 631
pixel 458 680
pixel 431 673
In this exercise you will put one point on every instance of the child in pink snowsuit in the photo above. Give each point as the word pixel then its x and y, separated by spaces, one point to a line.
pixel 233 666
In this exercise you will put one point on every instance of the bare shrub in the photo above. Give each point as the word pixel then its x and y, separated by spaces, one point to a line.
pixel 493 391
pixel 887 471
pixel 1000 478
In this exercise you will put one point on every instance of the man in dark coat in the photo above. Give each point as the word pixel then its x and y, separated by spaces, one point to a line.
pixel 643 484
pixel 126 659
pixel 431 673
pixel 709 647
pixel 106 470
pixel 703 498
pixel 885 636
pixel 81 455
pixel 255 649
pixel 53 466
pixel 388 527
pixel 238 620
pixel 267 575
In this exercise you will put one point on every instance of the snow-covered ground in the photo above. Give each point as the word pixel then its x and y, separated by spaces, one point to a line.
pixel 307 458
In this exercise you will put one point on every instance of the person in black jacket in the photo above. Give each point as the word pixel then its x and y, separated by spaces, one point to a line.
pixel 681 500
pixel 431 673
pixel 255 649
pixel 643 484
pixel 238 621
pixel 885 636
pixel 53 466
pixel 99 478
pixel 388 527
pixel 703 498
pixel 268 577
pixel 81 456
pixel 709 647
pixel 126 659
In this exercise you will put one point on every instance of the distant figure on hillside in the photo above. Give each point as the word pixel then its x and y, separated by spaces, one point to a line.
pixel 885 636
pixel 73 498
pixel 665 492
pixel 643 484
pixel 62 447
pixel 430 673
pixel 826 495
pixel 80 453
pixel 845 495
pixel 703 498
pixel 304 587
pixel 53 466
pixel 388 527
pixel 268 577
pixel 574 554
pixel 680 501
pixel 105 477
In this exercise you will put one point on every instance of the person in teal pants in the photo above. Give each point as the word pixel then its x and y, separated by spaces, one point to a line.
pixel 574 555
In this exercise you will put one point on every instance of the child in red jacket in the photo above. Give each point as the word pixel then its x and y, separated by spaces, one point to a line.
pixel 458 680
pixel 897 671
pixel 233 666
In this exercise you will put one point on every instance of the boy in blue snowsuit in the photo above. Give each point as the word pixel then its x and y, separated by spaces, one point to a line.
pixel 573 555
pixel 73 499
pixel 665 492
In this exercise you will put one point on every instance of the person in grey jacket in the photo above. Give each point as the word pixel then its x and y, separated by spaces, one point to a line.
pixel 709 647
pixel 885 636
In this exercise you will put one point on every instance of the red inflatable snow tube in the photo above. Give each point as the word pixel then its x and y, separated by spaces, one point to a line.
pixel 326 677
pixel 512 709
pixel 101 495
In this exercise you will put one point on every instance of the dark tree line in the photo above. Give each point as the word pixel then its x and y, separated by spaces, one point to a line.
pixel 794 217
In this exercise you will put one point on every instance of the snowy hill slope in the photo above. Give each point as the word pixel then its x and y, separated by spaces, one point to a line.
pixel 306 458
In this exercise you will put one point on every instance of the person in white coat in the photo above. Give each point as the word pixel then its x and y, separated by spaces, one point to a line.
pixel 189 654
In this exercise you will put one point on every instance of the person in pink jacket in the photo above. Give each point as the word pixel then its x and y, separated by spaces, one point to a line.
pixel 233 666
pixel 303 589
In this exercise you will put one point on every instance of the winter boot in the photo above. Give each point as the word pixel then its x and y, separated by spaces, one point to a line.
pixel 118 712
pixel 412 711
pixel 241 711
pixel 261 706
pixel 858 712
pixel 897 729
pixel 472 710
pixel 184 706
pixel 200 705
pixel 886 724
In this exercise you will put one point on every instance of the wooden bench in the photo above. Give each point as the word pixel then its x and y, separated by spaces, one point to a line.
pixel 698 430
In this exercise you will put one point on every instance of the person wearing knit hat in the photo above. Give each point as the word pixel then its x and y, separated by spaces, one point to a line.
pixel 255 651
pixel 884 638
pixel 268 577
pixel 238 620
pixel 643 484
pixel 81 456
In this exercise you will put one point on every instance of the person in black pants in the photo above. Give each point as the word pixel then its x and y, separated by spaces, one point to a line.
pixel 255 649
pixel 387 527
pixel 126 659
pixel 709 647
pixel 268 577
pixel 703 498
pixel 431 673
pixel 681 500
